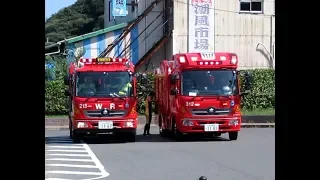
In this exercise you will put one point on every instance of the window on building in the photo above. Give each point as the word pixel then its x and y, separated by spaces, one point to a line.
pixel 110 13
pixel 251 6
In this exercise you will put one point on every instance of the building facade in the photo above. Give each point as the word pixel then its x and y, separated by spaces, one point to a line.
pixel 246 27
pixel 165 27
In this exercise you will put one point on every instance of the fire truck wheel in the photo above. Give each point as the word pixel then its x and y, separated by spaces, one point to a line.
pixel 131 137
pixel 178 136
pixel 233 136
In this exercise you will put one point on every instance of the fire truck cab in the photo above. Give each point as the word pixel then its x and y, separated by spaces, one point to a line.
pixel 102 98
pixel 199 93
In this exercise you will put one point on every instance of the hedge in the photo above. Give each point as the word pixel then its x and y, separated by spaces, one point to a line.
pixel 262 94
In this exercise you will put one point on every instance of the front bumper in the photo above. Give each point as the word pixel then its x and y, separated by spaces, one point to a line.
pixel 202 125
pixel 82 126
pixel 85 131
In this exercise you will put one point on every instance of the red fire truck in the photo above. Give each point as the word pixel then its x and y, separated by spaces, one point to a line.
pixel 102 98
pixel 199 93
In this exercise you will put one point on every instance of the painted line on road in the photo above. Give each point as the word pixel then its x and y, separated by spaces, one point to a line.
pixel 59 142
pixel 72 165
pixel 64 150
pixel 104 173
pixel 78 173
pixel 56 179
pixel 87 154
pixel 71 155
pixel 68 159
pixel 67 147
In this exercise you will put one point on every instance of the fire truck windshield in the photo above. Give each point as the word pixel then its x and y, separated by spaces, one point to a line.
pixel 104 84
pixel 209 83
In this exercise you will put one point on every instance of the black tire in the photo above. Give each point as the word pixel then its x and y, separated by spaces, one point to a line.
pixel 178 136
pixel 70 129
pixel 131 137
pixel 233 136
pixel 75 137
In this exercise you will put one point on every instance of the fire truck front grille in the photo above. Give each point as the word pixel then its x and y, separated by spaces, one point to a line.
pixel 97 113
pixel 204 112
pixel 211 122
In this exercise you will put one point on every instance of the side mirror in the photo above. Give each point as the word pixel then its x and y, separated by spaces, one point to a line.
pixel 244 93
pixel 173 78
pixel 143 78
pixel 66 80
pixel 173 92
pixel 67 93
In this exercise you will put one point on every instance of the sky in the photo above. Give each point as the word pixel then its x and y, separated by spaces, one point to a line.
pixel 53 6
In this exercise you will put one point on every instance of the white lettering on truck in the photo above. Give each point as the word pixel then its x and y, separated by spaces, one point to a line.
pixel 112 106
pixel 98 106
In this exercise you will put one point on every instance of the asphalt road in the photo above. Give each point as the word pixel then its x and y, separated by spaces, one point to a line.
pixel 251 157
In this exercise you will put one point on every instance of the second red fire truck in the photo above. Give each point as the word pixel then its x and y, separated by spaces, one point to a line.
pixel 199 93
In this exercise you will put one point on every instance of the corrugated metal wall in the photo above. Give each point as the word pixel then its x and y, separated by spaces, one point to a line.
pixel 95 45
pixel 148 37
pixel 241 33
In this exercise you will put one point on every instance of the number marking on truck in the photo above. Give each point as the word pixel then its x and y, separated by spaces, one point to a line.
pixel 189 103
pixel 83 106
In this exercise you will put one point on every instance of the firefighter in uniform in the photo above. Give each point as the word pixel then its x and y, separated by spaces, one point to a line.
pixel 87 85
pixel 148 113
pixel 125 89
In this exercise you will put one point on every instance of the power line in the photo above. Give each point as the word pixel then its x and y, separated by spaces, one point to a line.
pixel 222 10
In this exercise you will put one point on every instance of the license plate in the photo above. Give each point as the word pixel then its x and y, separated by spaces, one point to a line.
pixel 211 127
pixel 105 125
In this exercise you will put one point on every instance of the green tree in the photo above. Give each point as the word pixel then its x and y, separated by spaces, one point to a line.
pixel 84 16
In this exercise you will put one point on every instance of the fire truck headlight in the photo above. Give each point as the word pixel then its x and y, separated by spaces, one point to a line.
pixel 82 125
pixel 234 122
pixel 187 122
pixel 129 123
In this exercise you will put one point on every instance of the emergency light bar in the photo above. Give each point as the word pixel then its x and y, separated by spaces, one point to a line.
pixel 209 58
pixel 103 60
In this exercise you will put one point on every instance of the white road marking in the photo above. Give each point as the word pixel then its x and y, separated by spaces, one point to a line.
pixel 76 172
pixel 71 155
pixel 72 165
pixel 59 141
pixel 97 162
pixel 63 150
pixel 57 152
pixel 67 159
pixel 66 147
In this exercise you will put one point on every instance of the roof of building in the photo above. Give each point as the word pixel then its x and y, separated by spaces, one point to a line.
pixel 93 34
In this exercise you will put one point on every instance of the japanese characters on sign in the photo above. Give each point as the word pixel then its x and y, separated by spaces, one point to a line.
pixel 119 8
pixel 201 26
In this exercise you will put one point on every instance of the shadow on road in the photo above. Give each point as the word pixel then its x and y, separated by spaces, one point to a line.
pixel 158 138
pixel 58 140
pixel 139 138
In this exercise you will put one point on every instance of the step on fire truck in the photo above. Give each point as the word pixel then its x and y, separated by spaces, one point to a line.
pixel 102 98
pixel 199 93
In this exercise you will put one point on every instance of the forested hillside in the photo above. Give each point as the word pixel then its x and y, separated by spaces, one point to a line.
pixel 80 18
